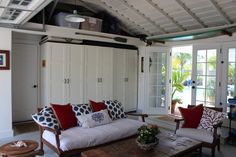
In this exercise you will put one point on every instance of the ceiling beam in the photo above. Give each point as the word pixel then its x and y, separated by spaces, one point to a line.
pixel 157 7
pixel 221 12
pixel 15 8
pixel 112 10
pixel 142 15
pixel 55 2
pixel 191 13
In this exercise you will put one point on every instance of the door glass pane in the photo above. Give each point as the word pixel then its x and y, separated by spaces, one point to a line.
pixel 200 94
pixel 231 55
pixel 201 68
pixel 231 73
pixel 211 68
pixel 201 56
pixel 206 76
pixel 157 79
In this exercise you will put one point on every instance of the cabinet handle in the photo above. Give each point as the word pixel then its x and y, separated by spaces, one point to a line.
pixel 68 81
pixel 65 81
pixel 99 80
pixel 142 60
pixel 126 79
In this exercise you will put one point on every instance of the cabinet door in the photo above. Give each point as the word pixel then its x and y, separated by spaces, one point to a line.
pixel 58 71
pixel 76 73
pixel 119 61
pixel 131 80
pixel 98 73
pixel 106 73
pixel 92 76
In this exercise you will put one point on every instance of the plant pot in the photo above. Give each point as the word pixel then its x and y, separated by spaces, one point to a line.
pixel 148 146
pixel 173 104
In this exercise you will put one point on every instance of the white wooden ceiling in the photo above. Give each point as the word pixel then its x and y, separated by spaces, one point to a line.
pixel 155 17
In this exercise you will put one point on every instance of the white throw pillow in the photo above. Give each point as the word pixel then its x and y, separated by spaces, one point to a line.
pixel 209 118
pixel 94 119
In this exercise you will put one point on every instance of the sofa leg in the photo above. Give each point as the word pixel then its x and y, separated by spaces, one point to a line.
pixel 213 152
pixel 218 147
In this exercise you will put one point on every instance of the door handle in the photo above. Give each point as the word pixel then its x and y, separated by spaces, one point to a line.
pixel 193 87
pixel 142 60
pixel 35 86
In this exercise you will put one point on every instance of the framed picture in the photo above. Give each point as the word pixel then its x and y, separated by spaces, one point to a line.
pixel 4 60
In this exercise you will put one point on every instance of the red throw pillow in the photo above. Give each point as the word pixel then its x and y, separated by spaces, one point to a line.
pixel 97 106
pixel 65 115
pixel 192 116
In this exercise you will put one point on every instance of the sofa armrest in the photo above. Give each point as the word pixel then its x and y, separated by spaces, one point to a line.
pixel 143 116
pixel 56 132
pixel 178 120
pixel 216 126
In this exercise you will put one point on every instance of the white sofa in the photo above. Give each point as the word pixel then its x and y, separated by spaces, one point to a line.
pixel 77 139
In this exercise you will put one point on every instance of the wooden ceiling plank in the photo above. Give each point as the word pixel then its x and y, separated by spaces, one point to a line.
pixel 142 15
pixel 157 7
pixel 122 16
pixel 191 13
pixel 221 12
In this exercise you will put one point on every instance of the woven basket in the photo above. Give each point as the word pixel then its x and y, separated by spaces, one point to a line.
pixel 148 146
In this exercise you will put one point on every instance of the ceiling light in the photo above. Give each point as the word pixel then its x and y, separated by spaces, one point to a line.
pixel 75 18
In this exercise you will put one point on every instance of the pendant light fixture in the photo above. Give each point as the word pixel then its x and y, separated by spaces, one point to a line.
pixel 75 18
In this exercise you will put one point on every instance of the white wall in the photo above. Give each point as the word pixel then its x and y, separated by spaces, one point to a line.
pixel 5 88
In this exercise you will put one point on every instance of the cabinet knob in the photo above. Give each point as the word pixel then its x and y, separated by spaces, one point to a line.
pixel 35 86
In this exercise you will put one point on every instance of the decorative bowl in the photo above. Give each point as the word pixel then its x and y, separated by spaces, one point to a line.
pixel 148 146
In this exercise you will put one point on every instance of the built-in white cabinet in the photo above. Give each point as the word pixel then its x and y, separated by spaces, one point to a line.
pixel 62 73
pixel 75 74
pixel 98 73
pixel 125 78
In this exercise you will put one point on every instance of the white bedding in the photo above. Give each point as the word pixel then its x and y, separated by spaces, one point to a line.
pixel 78 137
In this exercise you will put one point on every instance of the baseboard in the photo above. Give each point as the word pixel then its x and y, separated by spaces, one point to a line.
pixel 6 134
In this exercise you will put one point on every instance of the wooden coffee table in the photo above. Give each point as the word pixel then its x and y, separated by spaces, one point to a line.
pixel 29 151
pixel 169 146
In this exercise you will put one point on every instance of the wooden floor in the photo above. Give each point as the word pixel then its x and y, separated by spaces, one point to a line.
pixel 24 127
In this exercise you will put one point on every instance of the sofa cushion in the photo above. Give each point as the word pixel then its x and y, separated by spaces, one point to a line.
pixel 192 116
pixel 46 118
pixel 81 109
pixel 197 134
pixel 65 115
pixel 210 118
pixel 78 137
pixel 97 106
pixel 115 109
pixel 94 119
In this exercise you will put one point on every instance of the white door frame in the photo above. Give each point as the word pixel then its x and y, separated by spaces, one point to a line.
pixel 158 110
pixel 197 47
pixel 37 81
pixel 224 77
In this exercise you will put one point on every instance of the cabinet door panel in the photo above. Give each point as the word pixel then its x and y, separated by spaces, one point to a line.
pixel 107 71
pixel 131 80
pixel 57 72
pixel 91 73
pixel 76 67
pixel 119 59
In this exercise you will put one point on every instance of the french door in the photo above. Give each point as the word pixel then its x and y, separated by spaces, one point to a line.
pixel 206 75
pixel 157 84
pixel 228 74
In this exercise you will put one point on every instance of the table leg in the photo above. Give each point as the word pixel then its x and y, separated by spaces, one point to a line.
pixel 200 151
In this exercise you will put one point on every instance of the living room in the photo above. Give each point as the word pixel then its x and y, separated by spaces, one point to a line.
pixel 145 54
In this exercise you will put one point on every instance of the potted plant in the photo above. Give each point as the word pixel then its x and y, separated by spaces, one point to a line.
pixel 178 79
pixel 147 136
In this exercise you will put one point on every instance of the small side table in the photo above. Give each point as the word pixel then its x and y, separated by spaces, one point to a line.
pixel 7 150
